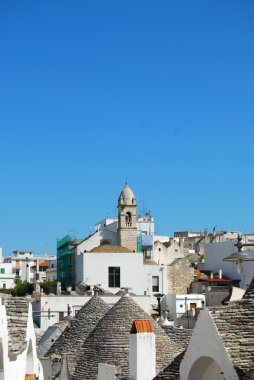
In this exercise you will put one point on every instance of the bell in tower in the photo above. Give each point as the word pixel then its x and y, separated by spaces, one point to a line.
pixel 127 230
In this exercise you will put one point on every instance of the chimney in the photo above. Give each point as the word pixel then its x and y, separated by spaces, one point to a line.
pixel 58 288
pixel 220 273
pixel 142 351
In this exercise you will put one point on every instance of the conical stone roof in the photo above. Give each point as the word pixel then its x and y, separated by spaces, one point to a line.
pixel 235 325
pixel 71 340
pixel 17 309
pixel 109 342
pixel 181 337
pixel 249 291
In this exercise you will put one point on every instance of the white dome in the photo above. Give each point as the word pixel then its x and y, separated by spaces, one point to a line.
pixel 127 195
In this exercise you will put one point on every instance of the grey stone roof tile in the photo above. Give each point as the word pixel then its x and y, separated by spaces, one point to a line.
pixel 71 340
pixel 250 290
pixel 235 324
pixel 181 337
pixel 109 342
pixel 17 316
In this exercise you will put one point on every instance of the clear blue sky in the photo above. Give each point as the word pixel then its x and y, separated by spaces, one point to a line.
pixel 94 92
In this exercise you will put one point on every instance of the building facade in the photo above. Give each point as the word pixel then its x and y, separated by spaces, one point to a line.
pixel 27 267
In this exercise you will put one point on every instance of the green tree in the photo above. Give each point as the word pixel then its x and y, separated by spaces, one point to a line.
pixel 48 286
pixel 22 288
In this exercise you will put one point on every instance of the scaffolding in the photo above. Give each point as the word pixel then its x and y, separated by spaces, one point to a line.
pixel 139 242
pixel 65 261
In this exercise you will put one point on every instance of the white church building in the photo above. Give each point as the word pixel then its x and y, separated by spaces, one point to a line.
pixel 119 253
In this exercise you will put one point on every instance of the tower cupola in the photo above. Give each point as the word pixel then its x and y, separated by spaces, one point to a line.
pixel 127 229
pixel 126 196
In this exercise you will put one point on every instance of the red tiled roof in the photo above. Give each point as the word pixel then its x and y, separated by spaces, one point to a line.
pixel 141 326
pixel 207 279
pixel 44 264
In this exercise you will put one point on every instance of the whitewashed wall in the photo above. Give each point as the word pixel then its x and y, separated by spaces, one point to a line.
pixel 8 277
pixel 164 255
pixel 59 304
pixel 27 361
pixel 134 274
pixel 177 305
pixel 206 343
pixel 214 254
pixel 95 240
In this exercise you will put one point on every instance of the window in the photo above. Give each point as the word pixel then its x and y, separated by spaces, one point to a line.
pixel 2 270
pixel 114 277
pixel 128 218
pixel 155 283
pixel 61 315
pixel 4 285
pixel 105 242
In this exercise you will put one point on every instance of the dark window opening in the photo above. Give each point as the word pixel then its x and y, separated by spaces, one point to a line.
pixel 128 218
pixel 105 242
pixel 114 277
pixel 155 284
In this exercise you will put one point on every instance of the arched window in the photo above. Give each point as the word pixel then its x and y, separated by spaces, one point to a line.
pixel 128 218
pixel 105 242
pixel 206 368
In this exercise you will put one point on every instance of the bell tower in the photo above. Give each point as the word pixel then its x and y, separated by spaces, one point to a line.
pixel 127 229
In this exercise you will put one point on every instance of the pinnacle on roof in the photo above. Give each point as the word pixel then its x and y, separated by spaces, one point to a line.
pixel 109 342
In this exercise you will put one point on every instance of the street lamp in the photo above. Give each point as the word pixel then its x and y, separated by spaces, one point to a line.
pixel 240 256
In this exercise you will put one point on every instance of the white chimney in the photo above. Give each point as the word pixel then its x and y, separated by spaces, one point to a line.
pixel 142 351
pixel 220 273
